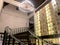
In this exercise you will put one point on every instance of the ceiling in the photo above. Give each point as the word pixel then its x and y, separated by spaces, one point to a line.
pixel 37 3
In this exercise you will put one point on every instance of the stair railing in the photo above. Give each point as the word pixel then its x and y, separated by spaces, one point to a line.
pixel 8 33
pixel 1 35
pixel 33 34
pixel 27 29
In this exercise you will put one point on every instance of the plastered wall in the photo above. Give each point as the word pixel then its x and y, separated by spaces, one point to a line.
pixel 13 18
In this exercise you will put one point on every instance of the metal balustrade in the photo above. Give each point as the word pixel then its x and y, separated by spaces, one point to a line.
pixel 10 39
pixel 1 35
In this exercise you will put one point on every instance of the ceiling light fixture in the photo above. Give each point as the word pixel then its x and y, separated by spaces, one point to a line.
pixel 26 6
